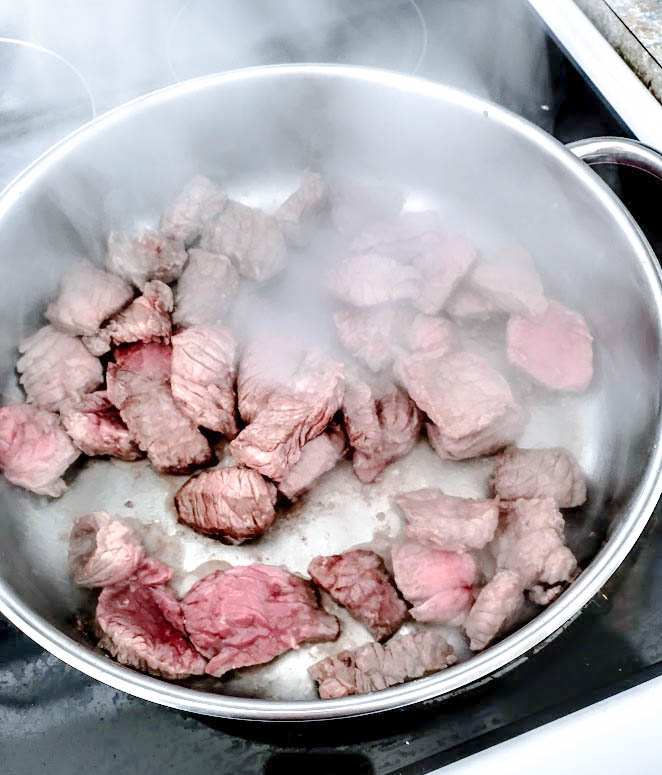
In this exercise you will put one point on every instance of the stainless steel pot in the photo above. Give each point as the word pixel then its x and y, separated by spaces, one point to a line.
pixel 488 171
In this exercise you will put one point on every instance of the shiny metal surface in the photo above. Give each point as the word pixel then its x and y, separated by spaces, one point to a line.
pixel 491 174
pixel 618 150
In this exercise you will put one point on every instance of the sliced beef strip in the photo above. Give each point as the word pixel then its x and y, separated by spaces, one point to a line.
pixel 439 584
pixel 317 458
pixel 34 449
pixel 147 319
pixel 443 260
pixel 103 550
pixel 468 304
pixel 56 367
pixel 86 298
pixel 448 522
pixel 142 626
pixel 539 473
pixel 96 428
pixel 251 614
pixel 202 378
pixel 296 216
pixel 381 427
pixel 372 278
pixel 359 581
pixel 249 237
pixel 496 606
pixel 199 200
pixel 139 386
pixel 205 290
pixel 292 417
pixel 372 667
pixel 144 257
pixel 555 348
pixel 233 504
pixel 356 206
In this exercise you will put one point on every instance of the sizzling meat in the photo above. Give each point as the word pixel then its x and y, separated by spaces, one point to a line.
pixel 317 457
pixel 443 260
pixel 371 333
pixel 511 281
pixel 147 256
pixel 397 237
pixel 372 278
pixel 198 201
pixel 205 289
pixel 431 335
pixel 297 214
pixel 496 605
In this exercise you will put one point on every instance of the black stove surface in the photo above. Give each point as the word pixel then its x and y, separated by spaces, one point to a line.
pixel 55 719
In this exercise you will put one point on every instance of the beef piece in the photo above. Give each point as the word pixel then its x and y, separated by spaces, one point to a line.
pixel 233 504
pixel 372 278
pixel 249 237
pixel 357 206
pixel 496 605
pixel 103 550
pixel 539 473
pixel 139 386
pixel 96 427
pixel 439 584
pixel 296 216
pixel 396 237
pixel 470 304
pixel 141 625
pixel 542 594
pixel 511 281
pixel 447 522
pixel 317 457
pixel 530 541
pixel 56 367
pixel 292 417
pixel 198 201
pixel 147 319
pixel 248 615
pixel 359 581
pixel 371 334
pixel 147 256
pixel 205 289
pixel 380 428
pixel 555 348
pixel 442 260
pixel 372 667
pixel 87 296
pixel 34 449
pixel 202 378
pixel 471 404
pixel 152 571
pixel 431 335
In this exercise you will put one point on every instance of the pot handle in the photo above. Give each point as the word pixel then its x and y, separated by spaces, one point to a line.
pixel 618 150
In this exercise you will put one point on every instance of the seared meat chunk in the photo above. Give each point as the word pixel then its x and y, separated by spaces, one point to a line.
pixel 470 304
pixel 471 404
pixel 317 457
pixel 103 550
pixel 555 348
pixel 356 206
pixel 539 473
pixel 96 427
pixel 147 256
pixel 371 334
pixel 198 201
pixel 202 378
pixel 511 281
pixel 447 522
pixel 297 213
pixel 380 428
pixel 250 614
pixel 372 278
pixel 56 367
pixel 292 417
pixel 205 289
pixel 439 584
pixel 233 504
pixel 139 386
pixel 147 319
pixel 34 449
pixel 496 605
pixel 142 626
pixel 443 260
pixel 249 237
pixel 359 581
pixel 372 667
pixel 530 541
pixel 87 296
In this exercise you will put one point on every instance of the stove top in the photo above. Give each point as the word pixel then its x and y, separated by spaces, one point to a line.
pixel 53 717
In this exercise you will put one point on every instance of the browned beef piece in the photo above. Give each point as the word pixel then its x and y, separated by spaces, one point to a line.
pixel 86 298
pixel 139 386
pixel 373 278
pixel 296 216
pixel 205 290
pixel 539 473
pixel 317 458
pixel 250 614
pixel 443 260
pixel 198 201
pixel 372 667
pixel 292 417
pixel 495 608
pixel 447 522
pixel 202 378
pixel 359 581
pixel 357 206
pixel 96 427
pixel 233 504
pixel 55 368
pixel 147 256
